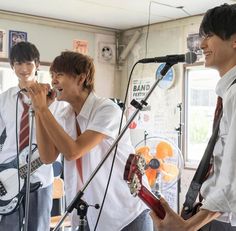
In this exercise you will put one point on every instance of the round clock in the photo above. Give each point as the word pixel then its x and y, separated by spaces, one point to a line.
pixel 168 79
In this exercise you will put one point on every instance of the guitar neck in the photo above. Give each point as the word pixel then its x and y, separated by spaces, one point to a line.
pixel 151 201
pixel 34 165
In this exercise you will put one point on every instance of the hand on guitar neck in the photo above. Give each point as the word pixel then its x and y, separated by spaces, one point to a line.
pixel 134 170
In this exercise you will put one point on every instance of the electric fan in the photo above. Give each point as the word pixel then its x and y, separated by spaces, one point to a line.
pixel 163 161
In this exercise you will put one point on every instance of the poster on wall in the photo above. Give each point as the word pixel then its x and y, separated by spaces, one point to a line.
pixel 139 89
pixel 15 37
pixel 194 45
pixel 2 43
pixel 80 46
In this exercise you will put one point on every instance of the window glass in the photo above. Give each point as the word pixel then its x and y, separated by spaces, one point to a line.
pixel 200 100
pixel 8 78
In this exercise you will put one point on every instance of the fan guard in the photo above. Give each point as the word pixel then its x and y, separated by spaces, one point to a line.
pixel 164 162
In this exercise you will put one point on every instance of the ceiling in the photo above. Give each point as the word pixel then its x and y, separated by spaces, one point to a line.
pixel 116 14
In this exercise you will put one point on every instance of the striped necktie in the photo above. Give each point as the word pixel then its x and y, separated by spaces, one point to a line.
pixel 79 160
pixel 24 127
pixel 218 110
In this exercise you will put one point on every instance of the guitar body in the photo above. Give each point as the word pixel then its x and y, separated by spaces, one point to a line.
pixel 12 187
pixel 134 170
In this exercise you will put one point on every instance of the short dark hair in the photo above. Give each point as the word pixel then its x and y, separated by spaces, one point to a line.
pixel 220 21
pixel 75 64
pixel 24 52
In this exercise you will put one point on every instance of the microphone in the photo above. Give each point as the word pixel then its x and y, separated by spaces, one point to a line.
pixel 189 58
pixel 48 94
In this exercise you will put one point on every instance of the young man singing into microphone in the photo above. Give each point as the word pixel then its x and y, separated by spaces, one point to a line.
pixel 91 126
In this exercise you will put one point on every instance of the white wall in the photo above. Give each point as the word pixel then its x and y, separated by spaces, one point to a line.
pixel 163 39
pixel 52 36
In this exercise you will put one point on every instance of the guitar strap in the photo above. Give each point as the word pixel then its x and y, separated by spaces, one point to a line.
pixel 202 170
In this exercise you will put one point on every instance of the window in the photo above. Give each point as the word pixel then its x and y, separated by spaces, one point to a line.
pixel 199 104
pixel 8 78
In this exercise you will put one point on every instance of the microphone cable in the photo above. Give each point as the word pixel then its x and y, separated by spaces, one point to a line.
pixel 115 151
pixel 17 156
pixel 122 116
pixel 148 28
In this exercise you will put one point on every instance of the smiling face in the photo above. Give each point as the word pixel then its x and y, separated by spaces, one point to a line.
pixel 219 37
pixel 76 68
pixel 219 54
pixel 24 60
pixel 25 71
pixel 65 85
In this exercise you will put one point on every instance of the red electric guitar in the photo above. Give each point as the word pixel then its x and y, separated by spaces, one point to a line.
pixel 134 169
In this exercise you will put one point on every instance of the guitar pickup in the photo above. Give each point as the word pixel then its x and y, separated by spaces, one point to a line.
pixel 3 191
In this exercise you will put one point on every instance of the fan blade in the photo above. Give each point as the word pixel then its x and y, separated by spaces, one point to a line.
pixel 151 176
pixel 144 151
pixel 164 150
pixel 169 171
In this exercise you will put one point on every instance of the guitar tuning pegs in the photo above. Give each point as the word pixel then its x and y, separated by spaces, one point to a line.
pixel 135 185
pixel 141 164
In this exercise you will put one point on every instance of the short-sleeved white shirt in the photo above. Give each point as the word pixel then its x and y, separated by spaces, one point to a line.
pixel 219 190
pixel 8 115
pixel 120 208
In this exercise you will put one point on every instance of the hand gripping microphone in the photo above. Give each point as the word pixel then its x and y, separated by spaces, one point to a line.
pixel 189 58
pixel 48 94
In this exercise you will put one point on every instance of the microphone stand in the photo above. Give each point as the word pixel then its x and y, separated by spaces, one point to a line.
pixel 179 130
pixel 138 106
pixel 82 212
pixel 27 189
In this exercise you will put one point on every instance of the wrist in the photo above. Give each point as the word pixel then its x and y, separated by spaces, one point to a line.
pixel 41 111
pixel 189 226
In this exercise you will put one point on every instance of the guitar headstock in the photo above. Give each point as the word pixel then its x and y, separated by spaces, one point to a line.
pixel 134 169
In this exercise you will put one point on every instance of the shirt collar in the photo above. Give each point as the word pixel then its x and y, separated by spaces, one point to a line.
pixel 23 96
pixel 88 105
pixel 15 90
pixel 225 81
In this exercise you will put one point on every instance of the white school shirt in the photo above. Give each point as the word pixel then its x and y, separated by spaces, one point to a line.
pixel 219 190
pixel 120 208
pixel 8 114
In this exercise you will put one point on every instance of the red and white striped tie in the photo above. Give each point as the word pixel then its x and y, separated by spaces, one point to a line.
pixel 24 127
